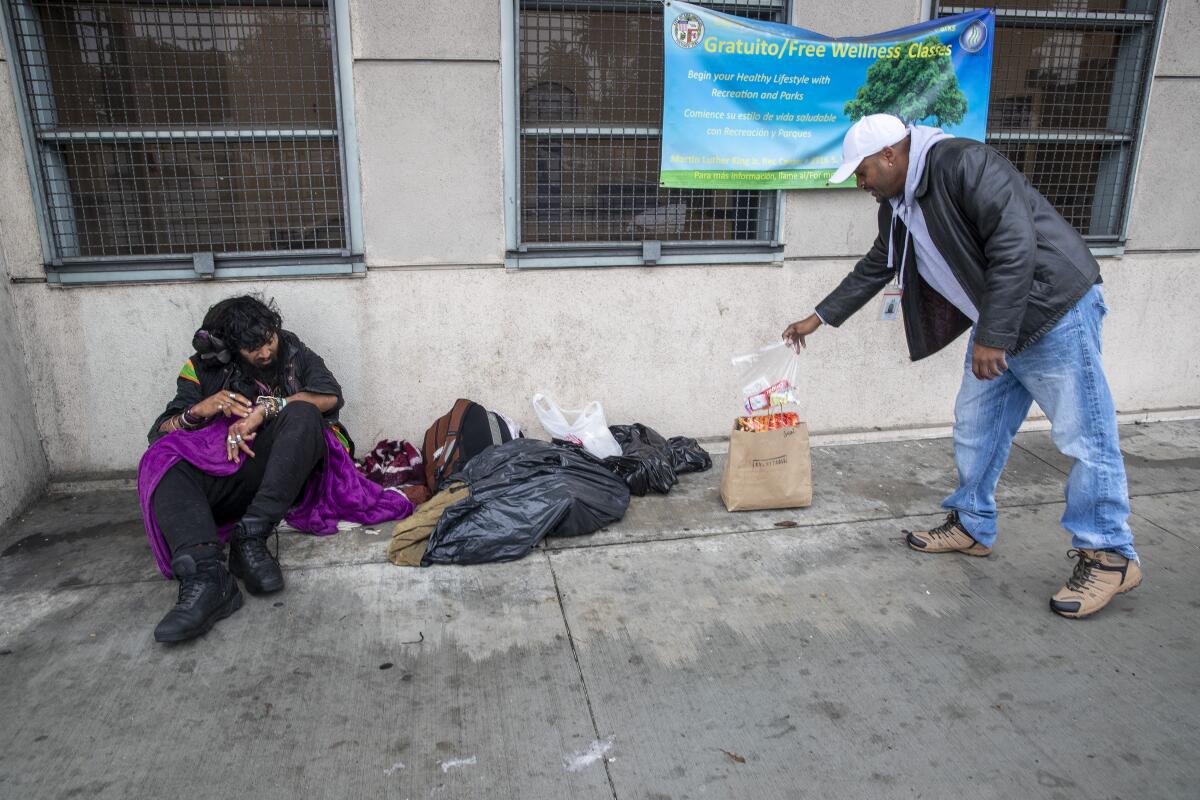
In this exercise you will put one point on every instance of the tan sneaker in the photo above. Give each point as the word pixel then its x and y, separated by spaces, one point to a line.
pixel 1099 576
pixel 949 537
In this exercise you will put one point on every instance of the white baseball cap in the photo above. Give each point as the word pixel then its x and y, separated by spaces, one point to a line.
pixel 865 138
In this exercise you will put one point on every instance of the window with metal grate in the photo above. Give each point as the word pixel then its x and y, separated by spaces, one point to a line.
pixel 182 136
pixel 590 85
pixel 1069 84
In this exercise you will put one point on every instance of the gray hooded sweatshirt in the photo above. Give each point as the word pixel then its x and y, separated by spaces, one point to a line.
pixel 930 263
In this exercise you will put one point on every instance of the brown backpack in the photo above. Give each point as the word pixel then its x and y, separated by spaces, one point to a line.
pixel 457 437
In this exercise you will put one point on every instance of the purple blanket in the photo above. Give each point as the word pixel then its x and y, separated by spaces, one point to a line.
pixel 335 491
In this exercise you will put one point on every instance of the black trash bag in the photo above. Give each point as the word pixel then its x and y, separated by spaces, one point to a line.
pixel 521 492
pixel 645 460
pixel 687 455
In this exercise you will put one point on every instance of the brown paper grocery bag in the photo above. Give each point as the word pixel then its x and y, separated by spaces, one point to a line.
pixel 769 469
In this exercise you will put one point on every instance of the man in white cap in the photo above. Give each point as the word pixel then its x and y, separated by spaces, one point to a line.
pixel 970 244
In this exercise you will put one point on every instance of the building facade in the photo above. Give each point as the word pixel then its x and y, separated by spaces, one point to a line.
pixel 458 200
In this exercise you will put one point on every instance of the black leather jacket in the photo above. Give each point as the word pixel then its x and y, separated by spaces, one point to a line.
pixel 1021 264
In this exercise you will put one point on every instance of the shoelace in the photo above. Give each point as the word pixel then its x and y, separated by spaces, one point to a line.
pixel 190 589
pixel 1081 576
pixel 255 551
pixel 945 528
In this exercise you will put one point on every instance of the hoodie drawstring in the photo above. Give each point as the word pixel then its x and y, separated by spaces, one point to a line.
pixel 921 138
pixel 899 268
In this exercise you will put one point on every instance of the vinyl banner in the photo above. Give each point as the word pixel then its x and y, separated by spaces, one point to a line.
pixel 761 105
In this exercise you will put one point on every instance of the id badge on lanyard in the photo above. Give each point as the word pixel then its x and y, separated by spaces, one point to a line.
pixel 891 302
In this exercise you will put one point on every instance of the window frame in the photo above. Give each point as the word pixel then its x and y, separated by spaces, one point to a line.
pixel 520 255
pixel 205 266
pixel 1100 245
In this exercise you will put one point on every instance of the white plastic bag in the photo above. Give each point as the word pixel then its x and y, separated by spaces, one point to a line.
pixel 768 377
pixel 589 429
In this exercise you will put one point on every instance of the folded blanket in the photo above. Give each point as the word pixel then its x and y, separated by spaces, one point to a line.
pixel 411 536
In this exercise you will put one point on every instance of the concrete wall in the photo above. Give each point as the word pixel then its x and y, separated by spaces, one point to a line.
pixel 438 316
pixel 23 467
pixel 1164 215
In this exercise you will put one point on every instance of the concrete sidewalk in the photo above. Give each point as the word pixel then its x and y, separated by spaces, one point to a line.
pixel 683 653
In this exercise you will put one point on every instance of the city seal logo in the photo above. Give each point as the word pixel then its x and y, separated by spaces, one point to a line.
pixel 974 37
pixel 687 30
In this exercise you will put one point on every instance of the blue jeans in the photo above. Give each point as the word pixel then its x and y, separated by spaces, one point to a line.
pixel 1062 371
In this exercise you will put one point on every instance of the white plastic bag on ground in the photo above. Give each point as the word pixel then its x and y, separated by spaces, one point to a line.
pixel 585 427
pixel 768 377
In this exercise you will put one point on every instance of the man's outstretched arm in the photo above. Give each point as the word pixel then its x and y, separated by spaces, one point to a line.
pixel 870 274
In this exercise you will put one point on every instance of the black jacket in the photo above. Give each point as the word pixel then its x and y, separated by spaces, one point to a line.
pixel 1021 264
pixel 302 370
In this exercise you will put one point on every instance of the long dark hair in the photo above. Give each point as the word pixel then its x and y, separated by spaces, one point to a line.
pixel 243 323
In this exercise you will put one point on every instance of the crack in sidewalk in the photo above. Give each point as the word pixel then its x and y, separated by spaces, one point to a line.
pixel 579 666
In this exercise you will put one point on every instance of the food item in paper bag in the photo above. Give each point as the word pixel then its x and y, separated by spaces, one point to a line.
pixel 768 422
pixel 767 469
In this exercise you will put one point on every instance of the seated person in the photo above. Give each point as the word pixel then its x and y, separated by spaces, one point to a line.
pixel 249 368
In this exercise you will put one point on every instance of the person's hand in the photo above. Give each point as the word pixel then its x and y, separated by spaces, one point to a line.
pixel 223 402
pixel 795 333
pixel 241 434
pixel 988 362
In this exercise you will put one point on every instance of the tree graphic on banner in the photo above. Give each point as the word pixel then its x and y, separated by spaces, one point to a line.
pixel 914 89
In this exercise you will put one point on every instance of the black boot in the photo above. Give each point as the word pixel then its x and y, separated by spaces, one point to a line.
pixel 250 560
pixel 207 594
